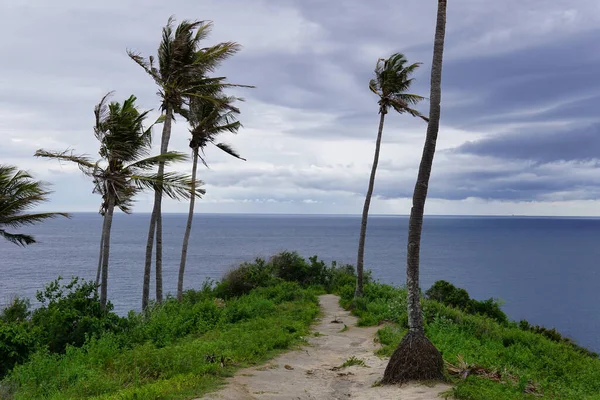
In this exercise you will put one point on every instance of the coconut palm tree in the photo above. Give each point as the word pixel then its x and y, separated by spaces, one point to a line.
pixel 19 192
pixel 125 167
pixel 181 74
pixel 208 119
pixel 416 358
pixel 390 84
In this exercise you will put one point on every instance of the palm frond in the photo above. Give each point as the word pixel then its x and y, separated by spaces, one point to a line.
pixel 229 150
pixel 18 239
pixel 84 163
pixel 18 193
pixel 147 65
pixel 151 162
pixel 212 57
pixel 16 221
pixel 172 184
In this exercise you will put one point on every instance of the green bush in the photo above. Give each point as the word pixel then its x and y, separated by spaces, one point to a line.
pixel 16 311
pixel 450 295
pixel 16 342
pixel 69 314
pixel 447 293
pixel 290 266
pixel 555 336
pixel 241 280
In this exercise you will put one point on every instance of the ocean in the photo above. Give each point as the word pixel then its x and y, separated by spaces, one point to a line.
pixel 545 270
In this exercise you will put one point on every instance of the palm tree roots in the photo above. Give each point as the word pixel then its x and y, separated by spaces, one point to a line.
pixel 415 359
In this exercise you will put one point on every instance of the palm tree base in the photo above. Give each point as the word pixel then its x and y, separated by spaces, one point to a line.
pixel 415 359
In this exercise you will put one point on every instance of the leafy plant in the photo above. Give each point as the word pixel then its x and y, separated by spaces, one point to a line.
pixel 354 361
pixel 71 313
pixel 16 311
pixel 448 294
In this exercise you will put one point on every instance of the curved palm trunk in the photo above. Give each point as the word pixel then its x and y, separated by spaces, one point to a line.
pixel 416 357
pixel 100 257
pixel 188 226
pixel 158 255
pixel 108 217
pixel 155 225
pixel 365 214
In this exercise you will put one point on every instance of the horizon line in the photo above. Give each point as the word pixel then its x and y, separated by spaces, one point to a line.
pixel 353 215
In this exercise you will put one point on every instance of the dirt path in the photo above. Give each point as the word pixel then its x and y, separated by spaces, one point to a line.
pixel 312 372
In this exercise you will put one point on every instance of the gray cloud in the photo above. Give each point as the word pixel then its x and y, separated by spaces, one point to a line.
pixel 541 145
pixel 520 93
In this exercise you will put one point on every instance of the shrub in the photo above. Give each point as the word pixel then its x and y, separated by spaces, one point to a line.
pixel 16 311
pixel 242 280
pixel 555 336
pixel 70 313
pixel 448 294
pixel 290 266
pixel 16 343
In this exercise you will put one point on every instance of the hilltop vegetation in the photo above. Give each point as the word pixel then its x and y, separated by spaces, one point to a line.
pixel 71 349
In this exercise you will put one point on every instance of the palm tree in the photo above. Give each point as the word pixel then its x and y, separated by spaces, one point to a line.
pixel 181 74
pixel 208 119
pixel 125 167
pixel 416 358
pixel 392 80
pixel 19 192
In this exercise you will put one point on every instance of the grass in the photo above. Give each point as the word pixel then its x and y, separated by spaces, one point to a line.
pixel 245 331
pixel 353 361
pixel 182 350
pixel 513 361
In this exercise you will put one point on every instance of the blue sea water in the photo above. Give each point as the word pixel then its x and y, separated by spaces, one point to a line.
pixel 544 269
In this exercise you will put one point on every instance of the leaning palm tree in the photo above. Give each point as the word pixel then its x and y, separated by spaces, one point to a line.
pixel 124 169
pixel 208 119
pixel 416 358
pixel 181 74
pixel 19 192
pixel 391 82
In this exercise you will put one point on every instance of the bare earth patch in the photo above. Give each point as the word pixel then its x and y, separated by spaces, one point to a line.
pixel 316 372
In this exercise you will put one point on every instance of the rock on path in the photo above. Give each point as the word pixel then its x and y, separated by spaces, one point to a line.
pixel 313 372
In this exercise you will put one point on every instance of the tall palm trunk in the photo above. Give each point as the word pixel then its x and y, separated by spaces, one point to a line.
pixel 108 217
pixel 415 317
pixel 416 357
pixel 158 255
pixel 365 214
pixel 188 226
pixel 100 257
pixel 155 226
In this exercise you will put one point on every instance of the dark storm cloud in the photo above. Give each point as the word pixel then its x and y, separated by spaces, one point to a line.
pixel 541 145
pixel 554 76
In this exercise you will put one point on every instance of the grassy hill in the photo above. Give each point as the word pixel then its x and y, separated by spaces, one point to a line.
pixel 69 349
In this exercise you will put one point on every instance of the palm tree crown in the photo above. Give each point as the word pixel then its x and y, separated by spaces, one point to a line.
pixel 183 65
pixel 19 192
pixel 125 167
pixel 392 80
pixel 208 119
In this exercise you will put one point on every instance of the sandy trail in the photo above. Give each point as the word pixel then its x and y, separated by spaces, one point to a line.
pixel 312 373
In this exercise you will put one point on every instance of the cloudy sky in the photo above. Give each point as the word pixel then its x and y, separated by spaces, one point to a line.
pixel 520 130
